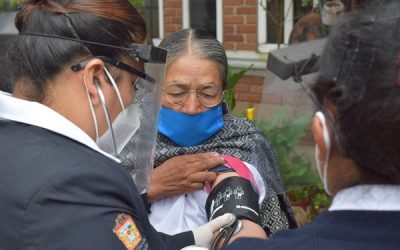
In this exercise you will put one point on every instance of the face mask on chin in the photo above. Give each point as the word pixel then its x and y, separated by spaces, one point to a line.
pixel 322 167
pixel 190 130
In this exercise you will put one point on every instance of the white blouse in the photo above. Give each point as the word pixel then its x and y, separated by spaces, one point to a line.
pixel 181 213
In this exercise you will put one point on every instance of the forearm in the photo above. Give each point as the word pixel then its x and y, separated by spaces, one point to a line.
pixel 249 228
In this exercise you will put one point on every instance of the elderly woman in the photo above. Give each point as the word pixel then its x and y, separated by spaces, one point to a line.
pixel 356 131
pixel 198 138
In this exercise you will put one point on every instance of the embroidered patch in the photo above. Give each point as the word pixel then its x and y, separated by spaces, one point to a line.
pixel 126 230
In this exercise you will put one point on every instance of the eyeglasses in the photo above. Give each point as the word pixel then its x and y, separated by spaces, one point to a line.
pixel 209 95
pixel 116 63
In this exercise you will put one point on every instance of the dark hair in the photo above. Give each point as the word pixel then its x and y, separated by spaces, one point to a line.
pixel 199 43
pixel 359 80
pixel 35 60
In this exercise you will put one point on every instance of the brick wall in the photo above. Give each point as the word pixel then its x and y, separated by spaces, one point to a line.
pixel 240 25
pixel 240 33
pixel 249 89
pixel 172 16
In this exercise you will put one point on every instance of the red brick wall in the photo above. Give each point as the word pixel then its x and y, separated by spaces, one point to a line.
pixel 172 16
pixel 240 24
pixel 249 89
pixel 240 33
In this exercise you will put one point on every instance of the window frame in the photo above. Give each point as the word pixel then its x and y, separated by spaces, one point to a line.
pixel 219 17
pixel 156 40
pixel 263 46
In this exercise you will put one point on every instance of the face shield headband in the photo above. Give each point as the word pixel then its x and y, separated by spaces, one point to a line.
pixel 136 51
pixel 137 155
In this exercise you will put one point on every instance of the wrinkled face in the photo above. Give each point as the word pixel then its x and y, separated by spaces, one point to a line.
pixel 186 75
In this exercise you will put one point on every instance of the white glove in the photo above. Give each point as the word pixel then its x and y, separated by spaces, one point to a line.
pixel 204 235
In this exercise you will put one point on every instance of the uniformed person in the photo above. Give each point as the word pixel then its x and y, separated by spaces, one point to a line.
pixel 84 83
pixel 356 133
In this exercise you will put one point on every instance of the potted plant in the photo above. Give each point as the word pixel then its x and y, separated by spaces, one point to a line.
pixel 331 11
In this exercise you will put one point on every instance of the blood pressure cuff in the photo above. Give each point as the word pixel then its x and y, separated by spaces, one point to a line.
pixel 221 169
pixel 233 195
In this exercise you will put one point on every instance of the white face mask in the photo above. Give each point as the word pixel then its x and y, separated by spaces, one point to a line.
pixel 124 126
pixel 323 167
pixel 122 129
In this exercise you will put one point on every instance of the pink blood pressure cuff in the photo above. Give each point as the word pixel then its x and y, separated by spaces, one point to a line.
pixel 233 195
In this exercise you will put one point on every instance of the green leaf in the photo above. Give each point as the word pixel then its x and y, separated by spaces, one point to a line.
pixel 305 3
pixel 278 117
pixel 233 79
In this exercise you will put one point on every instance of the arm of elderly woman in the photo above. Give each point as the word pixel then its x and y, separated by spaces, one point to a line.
pixel 249 228
pixel 183 174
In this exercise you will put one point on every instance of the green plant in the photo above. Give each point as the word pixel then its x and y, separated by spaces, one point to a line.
pixel 233 79
pixel 312 199
pixel 138 4
pixel 305 3
pixel 285 135
pixel 6 5
pixel 302 183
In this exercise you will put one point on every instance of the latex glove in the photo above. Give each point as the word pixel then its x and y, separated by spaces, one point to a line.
pixel 204 235
pixel 183 174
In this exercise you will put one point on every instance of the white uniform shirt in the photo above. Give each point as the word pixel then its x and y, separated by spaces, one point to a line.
pixel 36 114
pixel 368 197
pixel 181 213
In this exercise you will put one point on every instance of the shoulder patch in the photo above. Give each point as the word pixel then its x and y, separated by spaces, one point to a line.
pixel 126 230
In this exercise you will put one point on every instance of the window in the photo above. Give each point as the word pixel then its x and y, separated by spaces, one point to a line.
pixel 276 19
pixel 203 14
pixel 151 17
pixel 154 17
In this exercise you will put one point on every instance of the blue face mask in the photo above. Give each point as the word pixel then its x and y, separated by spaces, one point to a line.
pixel 190 130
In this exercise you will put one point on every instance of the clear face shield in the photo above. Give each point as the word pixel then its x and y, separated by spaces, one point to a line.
pixel 132 135
pixel 285 113
pixel 138 153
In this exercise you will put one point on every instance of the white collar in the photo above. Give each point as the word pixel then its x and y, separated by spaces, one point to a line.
pixel 34 113
pixel 368 197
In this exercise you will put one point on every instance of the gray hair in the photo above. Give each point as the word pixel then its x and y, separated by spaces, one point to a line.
pixel 199 43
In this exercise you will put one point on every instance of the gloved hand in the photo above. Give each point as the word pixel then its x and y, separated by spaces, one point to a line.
pixel 204 235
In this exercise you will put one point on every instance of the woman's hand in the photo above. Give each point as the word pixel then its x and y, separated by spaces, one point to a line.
pixel 183 174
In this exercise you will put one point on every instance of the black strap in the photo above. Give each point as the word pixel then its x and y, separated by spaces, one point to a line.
pixel 234 195
pixel 221 169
